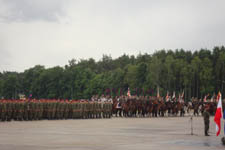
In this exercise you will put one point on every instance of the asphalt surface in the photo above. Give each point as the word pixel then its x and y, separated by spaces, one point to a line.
pixel 170 133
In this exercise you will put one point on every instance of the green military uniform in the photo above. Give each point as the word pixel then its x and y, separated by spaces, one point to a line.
pixel 73 113
pixel 54 110
pixel 16 111
pixel 0 110
pixel 49 110
pixel 30 110
pixel 62 109
pixel 80 110
pixel 104 109
pixel 98 110
pixel 40 110
pixel 66 110
pixel 3 111
pixel 57 113
pixel 90 110
pixel 44 107
pixel 110 109
pixel 206 117
pixel 26 109
pixel 70 110
pixel 86 110
pixel 35 110
pixel 9 110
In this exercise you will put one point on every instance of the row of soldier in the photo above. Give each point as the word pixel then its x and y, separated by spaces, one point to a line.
pixel 53 109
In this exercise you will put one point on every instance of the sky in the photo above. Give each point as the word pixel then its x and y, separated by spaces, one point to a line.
pixel 52 32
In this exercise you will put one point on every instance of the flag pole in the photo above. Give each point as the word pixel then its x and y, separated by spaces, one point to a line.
pixel 222 123
pixel 223 117
pixel 191 125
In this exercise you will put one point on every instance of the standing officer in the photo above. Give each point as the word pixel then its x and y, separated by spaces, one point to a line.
pixel 206 117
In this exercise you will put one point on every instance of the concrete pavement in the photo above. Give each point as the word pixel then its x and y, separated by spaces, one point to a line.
pixel 109 134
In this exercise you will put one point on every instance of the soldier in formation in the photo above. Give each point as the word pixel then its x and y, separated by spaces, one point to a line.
pixel 25 110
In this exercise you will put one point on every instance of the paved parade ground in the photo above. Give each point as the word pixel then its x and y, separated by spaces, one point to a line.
pixel 109 134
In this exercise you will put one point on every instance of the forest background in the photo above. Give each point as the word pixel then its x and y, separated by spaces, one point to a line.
pixel 197 73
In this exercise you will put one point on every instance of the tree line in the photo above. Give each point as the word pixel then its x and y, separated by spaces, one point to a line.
pixel 196 73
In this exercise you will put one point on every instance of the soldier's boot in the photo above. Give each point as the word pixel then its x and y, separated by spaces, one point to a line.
pixel 206 130
pixel 206 133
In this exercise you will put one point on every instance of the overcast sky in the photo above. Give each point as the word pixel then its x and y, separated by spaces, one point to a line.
pixel 51 32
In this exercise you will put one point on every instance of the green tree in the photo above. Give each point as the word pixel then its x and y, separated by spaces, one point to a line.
pixel 10 86
pixel 196 68
pixel 206 77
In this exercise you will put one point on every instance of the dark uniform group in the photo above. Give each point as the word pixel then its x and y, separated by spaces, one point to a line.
pixel 53 109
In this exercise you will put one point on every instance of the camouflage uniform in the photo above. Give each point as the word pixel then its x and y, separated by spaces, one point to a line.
pixel 30 110
pixel 40 111
pixel 3 111
pixel 26 109
pixel 9 110
pixel 66 110
pixel 20 111
pixel 206 117
pixel 85 110
pixel 35 111
pixel 57 113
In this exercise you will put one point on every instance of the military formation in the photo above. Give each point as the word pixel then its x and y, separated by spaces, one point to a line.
pixel 24 110
pixel 100 107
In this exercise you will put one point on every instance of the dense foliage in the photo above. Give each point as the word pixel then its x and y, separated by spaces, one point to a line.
pixel 196 73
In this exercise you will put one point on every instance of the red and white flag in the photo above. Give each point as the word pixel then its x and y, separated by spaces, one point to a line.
pixel 158 96
pixel 128 92
pixel 205 98
pixel 182 95
pixel 167 96
pixel 212 98
pixel 174 96
pixel 218 115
